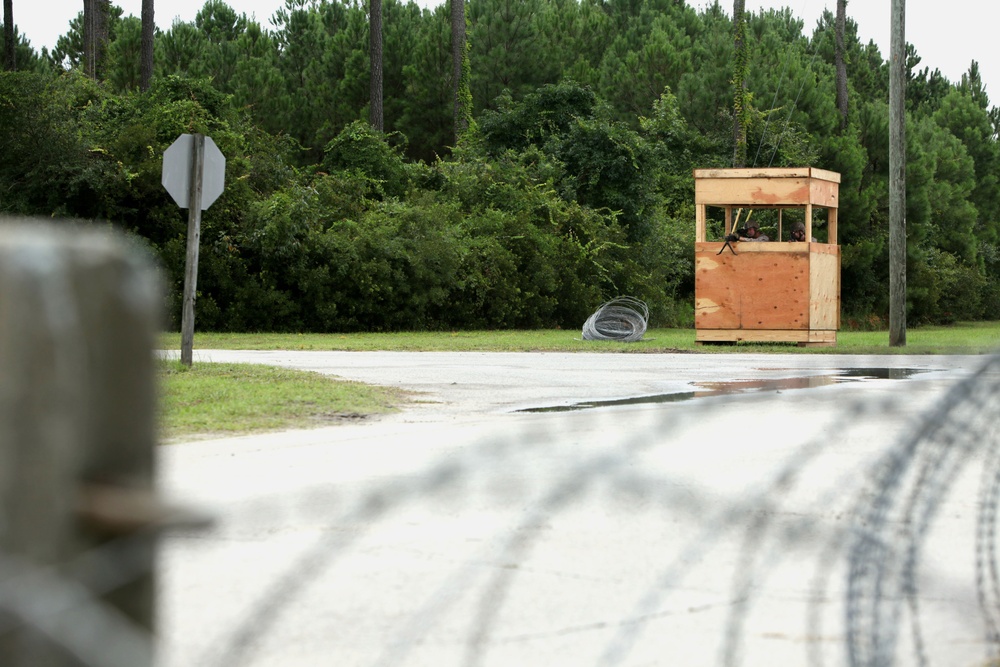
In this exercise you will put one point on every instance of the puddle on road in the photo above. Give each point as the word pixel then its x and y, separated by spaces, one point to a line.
pixel 707 389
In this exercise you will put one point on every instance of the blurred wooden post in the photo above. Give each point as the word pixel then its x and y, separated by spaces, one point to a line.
pixel 78 319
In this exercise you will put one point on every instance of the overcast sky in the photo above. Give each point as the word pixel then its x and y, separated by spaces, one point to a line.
pixel 948 36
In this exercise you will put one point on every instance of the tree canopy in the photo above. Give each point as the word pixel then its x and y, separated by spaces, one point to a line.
pixel 571 184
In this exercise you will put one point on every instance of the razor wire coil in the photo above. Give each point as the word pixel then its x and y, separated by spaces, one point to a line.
pixel 622 319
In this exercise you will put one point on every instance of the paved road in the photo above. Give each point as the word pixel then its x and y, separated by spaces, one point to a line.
pixel 706 507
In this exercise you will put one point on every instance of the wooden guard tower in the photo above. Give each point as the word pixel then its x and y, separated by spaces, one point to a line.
pixel 776 291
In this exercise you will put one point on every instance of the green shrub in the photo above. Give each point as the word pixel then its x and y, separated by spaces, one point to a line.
pixel 941 289
pixel 361 148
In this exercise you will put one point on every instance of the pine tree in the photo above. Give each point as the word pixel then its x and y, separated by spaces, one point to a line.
pixel 148 32
pixel 375 115
pixel 459 59
pixel 10 44
pixel 96 32
pixel 741 97
pixel 507 51
pixel 841 63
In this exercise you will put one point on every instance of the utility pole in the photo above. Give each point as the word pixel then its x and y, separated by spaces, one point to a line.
pixel 897 175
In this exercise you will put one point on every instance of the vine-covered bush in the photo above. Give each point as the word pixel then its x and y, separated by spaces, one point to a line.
pixel 492 246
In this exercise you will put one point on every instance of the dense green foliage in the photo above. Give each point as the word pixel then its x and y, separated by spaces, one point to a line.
pixel 573 184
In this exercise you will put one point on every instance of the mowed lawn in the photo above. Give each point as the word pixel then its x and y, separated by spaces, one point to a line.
pixel 214 400
pixel 963 338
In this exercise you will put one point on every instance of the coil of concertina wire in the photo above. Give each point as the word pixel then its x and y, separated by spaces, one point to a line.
pixel 622 319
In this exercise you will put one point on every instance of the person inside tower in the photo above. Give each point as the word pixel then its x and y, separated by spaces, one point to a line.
pixel 752 233
pixel 798 233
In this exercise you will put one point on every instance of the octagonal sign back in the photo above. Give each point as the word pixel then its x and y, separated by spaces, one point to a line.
pixel 177 165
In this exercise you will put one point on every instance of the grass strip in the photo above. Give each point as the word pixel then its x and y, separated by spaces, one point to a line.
pixel 216 400
pixel 963 338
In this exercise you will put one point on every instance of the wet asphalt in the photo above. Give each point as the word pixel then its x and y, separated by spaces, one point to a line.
pixel 566 509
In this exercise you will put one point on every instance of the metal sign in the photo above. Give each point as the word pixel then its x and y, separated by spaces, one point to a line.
pixel 177 165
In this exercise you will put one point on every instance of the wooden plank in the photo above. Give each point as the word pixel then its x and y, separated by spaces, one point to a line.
pixel 765 286
pixel 824 311
pixel 699 224
pixel 762 207
pixel 761 172
pixel 752 290
pixel 803 338
pixel 837 325
pixel 751 191
pixel 820 339
pixel 831 226
pixel 752 335
pixel 770 172
pixel 717 300
pixel 757 247
pixel 774 290
pixel 824 175
pixel 767 186
pixel 823 249
pixel 825 194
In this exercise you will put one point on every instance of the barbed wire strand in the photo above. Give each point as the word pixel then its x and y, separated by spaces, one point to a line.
pixel 871 608
pixel 715 526
pixel 71 615
pixel 906 487
pixel 987 584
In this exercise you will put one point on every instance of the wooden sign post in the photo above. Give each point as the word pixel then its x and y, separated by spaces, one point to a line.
pixel 194 171
pixel 193 244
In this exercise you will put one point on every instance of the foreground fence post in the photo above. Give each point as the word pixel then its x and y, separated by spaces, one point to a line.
pixel 78 319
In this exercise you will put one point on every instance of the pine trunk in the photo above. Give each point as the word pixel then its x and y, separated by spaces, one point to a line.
pixel 841 63
pixel 740 87
pixel 10 45
pixel 375 42
pixel 88 37
pixel 146 57
pixel 96 15
pixel 457 58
